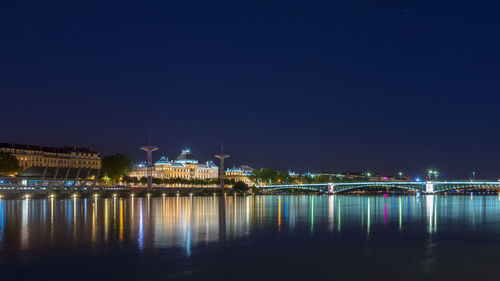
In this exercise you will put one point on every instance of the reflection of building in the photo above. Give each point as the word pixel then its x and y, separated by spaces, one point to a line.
pixel 64 157
pixel 184 166
pixel 241 173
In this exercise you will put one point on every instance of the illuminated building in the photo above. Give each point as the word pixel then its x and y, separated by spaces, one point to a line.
pixel 43 156
pixel 241 173
pixel 185 166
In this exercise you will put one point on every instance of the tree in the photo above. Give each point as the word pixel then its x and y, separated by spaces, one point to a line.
pixel 128 179
pixel 116 166
pixel 255 176
pixel 322 179
pixel 240 186
pixel 268 176
pixel 8 163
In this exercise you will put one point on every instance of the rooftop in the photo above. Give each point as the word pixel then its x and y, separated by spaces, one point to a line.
pixel 186 157
pixel 163 161
pixel 65 149
pixel 61 173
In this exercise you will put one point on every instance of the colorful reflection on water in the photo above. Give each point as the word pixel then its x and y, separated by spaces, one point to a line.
pixel 188 225
pixel 189 221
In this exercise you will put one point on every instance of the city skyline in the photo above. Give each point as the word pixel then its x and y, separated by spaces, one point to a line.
pixel 161 156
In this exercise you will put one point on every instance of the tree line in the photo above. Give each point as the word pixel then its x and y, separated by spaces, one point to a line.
pixel 267 176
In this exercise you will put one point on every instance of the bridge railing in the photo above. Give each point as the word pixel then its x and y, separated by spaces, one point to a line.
pixel 425 187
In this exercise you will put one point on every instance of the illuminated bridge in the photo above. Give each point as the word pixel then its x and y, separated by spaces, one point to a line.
pixel 423 187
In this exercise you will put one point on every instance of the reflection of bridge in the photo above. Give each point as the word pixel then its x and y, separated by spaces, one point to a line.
pixel 424 187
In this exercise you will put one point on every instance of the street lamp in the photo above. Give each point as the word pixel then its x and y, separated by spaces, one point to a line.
pixel 433 173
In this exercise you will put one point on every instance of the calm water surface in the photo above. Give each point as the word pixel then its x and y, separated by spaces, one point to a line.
pixel 251 238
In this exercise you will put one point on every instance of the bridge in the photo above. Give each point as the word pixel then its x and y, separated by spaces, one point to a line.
pixel 428 187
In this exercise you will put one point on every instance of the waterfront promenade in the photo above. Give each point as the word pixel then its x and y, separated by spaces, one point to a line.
pixel 13 187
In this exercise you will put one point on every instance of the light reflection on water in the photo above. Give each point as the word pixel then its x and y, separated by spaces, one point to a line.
pixel 93 226
pixel 188 221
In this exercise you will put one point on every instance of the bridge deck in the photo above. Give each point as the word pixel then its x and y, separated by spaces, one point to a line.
pixel 424 187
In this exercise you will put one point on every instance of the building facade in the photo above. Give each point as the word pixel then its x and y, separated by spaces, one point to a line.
pixel 241 173
pixel 185 166
pixel 43 156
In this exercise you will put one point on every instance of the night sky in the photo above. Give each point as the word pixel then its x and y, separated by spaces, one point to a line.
pixel 308 85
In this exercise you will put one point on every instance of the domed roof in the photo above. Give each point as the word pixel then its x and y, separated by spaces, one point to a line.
pixel 163 161
pixel 186 157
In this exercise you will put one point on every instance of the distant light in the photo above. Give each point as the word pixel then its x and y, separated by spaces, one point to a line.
pixel 417 179
pixel 190 194
pixel 132 195
pixel 27 196
pixel 163 195
pixel 96 195
pixel 149 194
pixel 75 195
pixel 114 195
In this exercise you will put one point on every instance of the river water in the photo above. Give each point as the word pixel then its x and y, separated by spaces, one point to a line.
pixel 342 237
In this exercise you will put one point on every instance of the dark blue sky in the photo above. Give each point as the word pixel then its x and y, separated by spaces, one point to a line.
pixel 307 85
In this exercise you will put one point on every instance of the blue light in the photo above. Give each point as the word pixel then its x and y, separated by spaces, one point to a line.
pixel 417 179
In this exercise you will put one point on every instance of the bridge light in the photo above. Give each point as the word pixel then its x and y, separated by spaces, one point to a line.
pixel 417 179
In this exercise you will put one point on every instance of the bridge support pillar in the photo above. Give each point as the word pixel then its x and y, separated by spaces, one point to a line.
pixel 331 188
pixel 429 187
